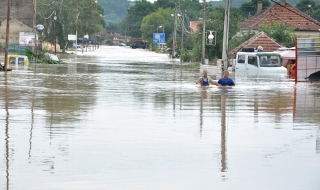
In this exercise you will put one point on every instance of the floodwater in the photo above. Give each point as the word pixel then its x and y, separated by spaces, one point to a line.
pixel 118 118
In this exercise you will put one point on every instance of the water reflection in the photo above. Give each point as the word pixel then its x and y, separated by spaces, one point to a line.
pixel 224 96
pixel 102 119
pixel 7 137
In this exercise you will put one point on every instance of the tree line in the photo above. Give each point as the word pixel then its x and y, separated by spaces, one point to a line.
pixel 63 17
pixel 144 18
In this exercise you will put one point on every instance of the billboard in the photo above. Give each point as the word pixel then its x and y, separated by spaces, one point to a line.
pixel 72 37
pixel 26 39
pixel 159 38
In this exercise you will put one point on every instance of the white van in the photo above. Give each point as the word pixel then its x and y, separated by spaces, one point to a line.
pixel 259 63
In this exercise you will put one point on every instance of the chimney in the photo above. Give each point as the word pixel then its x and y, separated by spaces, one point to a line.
pixel 283 2
pixel 259 8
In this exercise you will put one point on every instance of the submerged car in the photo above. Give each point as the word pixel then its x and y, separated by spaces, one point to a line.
pixel 259 63
pixel 139 44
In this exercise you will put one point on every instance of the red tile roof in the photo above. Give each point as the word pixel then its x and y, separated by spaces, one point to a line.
pixel 117 35
pixel 288 14
pixel 260 39
pixel 194 25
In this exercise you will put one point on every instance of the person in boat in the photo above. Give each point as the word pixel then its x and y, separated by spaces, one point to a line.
pixel 225 80
pixel 205 80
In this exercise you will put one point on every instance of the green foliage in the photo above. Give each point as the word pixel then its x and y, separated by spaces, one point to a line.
pixel 151 23
pixel 136 13
pixel 186 56
pixel 313 11
pixel 239 39
pixel 165 4
pixel 279 31
pixel 115 10
pixel 303 5
pixel 215 20
pixel 250 8
pixel 85 16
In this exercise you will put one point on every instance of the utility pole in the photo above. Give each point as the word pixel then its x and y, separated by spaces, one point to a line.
pixel 226 35
pixel 182 34
pixel 35 25
pixel 7 37
pixel 77 15
pixel 204 33
pixel 175 29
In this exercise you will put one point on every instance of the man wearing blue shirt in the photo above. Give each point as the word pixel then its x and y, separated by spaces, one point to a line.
pixel 225 81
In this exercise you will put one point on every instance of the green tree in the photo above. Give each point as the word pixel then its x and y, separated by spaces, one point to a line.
pixel 165 4
pixel 279 31
pixel 309 7
pixel 151 23
pixel 115 10
pixel 136 13
pixel 86 17
pixel 250 8
pixel 214 19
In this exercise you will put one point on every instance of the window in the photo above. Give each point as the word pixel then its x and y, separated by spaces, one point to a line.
pixel 20 61
pixel 252 60
pixel 241 58
pixel 270 61
pixel 12 61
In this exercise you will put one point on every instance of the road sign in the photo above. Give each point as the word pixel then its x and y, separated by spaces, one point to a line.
pixel 159 38
pixel 40 27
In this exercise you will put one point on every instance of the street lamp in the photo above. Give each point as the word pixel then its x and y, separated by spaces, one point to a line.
pixel 210 37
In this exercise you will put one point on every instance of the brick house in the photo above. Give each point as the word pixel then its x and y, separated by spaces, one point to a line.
pixel 260 39
pixel 303 24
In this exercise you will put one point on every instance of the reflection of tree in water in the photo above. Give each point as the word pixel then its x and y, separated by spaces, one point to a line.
pixel 275 102
pixel 61 98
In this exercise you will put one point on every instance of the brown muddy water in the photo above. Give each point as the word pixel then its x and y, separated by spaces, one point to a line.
pixel 118 118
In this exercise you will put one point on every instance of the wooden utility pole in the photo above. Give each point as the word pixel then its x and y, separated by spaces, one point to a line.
pixel 204 33
pixel 35 25
pixel 226 35
pixel 175 29
pixel 7 37
pixel 182 34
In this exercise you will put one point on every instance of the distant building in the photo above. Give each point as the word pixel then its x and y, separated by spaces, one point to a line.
pixel 194 25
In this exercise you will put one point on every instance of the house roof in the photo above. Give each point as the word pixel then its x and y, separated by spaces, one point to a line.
pixel 194 25
pixel 293 17
pixel 115 35
pixel 260 39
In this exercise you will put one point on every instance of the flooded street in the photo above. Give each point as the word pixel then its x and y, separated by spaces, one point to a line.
pixel 121 118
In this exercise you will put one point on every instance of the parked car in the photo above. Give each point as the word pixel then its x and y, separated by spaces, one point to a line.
pixel 122 44
pixel 139 44
pixel 78 46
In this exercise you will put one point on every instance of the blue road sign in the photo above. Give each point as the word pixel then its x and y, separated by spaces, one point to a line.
pixel 159 38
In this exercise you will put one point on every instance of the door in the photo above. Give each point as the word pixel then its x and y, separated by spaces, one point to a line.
pixel 252 65
pixel 240 65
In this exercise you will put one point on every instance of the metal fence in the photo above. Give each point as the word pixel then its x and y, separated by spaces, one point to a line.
pixel 307 58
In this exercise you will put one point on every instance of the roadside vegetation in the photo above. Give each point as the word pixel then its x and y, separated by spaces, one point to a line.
pixel 141 19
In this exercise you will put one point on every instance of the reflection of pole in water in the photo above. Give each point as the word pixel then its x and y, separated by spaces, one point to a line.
pixel 318 142
pixel 201 113
pixel 223 134
pixel 32 119
pixel 7 131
